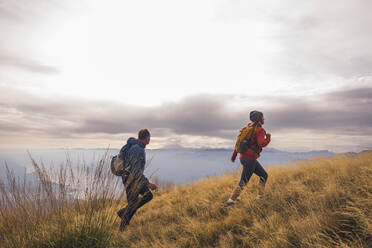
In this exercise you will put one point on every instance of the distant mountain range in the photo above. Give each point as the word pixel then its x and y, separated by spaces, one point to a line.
pixel 179 165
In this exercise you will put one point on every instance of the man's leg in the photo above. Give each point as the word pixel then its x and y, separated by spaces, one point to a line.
pixel 132 192
pixel 146 197
pixel 127 185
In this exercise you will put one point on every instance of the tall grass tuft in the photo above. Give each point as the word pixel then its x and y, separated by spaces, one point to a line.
pixel 68 207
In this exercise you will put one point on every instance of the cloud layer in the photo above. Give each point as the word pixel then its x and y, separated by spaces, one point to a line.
pixel 325 39
pixel 343 112
pixel 26 64
pixel 346 111
pixel 301 53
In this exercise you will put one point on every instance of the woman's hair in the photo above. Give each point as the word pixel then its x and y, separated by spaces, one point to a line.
pixel 255 116
pixel 143 133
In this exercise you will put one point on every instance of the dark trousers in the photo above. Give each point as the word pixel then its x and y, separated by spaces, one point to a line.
pixel 134 189
pixel 250 167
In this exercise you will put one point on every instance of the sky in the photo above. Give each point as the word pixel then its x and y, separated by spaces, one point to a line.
pixel 91 73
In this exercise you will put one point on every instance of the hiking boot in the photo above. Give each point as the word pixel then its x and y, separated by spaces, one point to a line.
pixel 123 224
pixel 230 202
pixel 122 212
pixel 125 220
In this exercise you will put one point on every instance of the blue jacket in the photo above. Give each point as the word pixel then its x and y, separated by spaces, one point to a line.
pixel 136 159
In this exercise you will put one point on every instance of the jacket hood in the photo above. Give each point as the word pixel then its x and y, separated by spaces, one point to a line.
pixel 132 141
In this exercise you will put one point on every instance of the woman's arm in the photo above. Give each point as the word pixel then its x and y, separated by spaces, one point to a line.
pixel 262 139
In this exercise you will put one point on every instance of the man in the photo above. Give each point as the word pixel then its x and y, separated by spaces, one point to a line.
pixel 248 158
pixel 134 181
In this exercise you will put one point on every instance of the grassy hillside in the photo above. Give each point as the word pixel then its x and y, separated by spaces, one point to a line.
pixel 319 203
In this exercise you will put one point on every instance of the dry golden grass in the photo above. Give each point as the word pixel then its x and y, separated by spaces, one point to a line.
pixel 318 203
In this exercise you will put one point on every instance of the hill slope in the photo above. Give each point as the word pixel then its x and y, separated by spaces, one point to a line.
pixel 319 203
pixel 322 203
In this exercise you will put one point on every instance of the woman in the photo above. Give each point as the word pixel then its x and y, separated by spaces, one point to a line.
pixel 248 158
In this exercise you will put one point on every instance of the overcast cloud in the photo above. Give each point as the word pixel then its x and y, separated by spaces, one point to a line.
pixel 326 39
pixel 71 73
pixel 25 64
pixel 315 40
pixel 346 112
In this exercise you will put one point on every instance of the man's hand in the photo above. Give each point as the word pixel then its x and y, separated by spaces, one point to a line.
pixel 268 135
pixel 152 186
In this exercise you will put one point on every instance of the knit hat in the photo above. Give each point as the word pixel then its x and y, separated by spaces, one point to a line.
pixel 255 116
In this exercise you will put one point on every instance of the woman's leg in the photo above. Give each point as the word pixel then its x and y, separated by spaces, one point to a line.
pixel 247 172
pixel 260 171
pixel 248 169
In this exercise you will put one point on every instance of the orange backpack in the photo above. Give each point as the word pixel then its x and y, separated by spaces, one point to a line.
pixel 242 140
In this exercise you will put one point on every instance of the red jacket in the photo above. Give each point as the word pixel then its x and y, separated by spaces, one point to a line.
pixel 258 140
